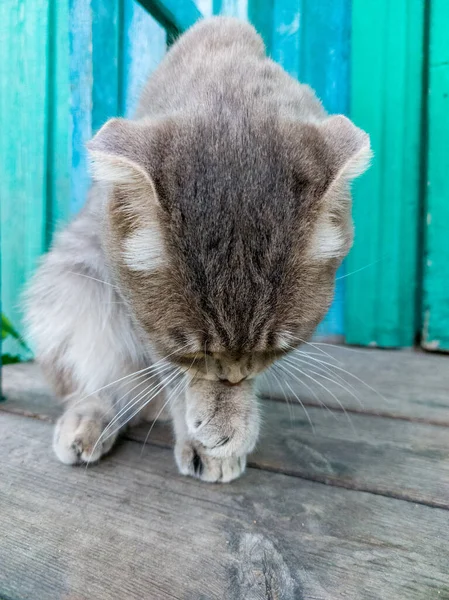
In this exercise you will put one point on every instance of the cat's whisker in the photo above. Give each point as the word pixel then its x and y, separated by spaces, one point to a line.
pixel 161 371
pixel 307 386
pixel 356 398
pixel 126 379
pixel 332 379
pixel 103 437
pixel 147 399
pixel 322 366
pixel 93 279
pixel 148 369
pixel 306 412
pixel 302 406
pixel 313 345
pixel 328 391
pixel 374 262
pixel 323 362
pixel 176 390
pixel 149 389
pixel 342 347
pixel 287 401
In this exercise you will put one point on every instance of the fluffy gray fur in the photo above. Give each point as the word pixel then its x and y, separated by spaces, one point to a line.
pixel 207 249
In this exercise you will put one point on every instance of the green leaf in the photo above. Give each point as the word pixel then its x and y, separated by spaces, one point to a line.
pixel 8 359
pixel 8 329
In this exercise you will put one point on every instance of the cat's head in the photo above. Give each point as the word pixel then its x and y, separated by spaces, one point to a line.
pixel 225 234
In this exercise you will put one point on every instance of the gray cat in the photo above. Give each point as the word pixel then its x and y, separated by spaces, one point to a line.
pixel 207 249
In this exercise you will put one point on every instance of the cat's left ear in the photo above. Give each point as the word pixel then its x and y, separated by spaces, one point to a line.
pixel 348 147
pixel 119 155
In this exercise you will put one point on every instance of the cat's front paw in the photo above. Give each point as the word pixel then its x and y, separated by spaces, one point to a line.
pixel 193 460
pixel 77 438
pixel 224 420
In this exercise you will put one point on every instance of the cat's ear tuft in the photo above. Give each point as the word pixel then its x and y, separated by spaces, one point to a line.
pixel 118 156
pixel 348 146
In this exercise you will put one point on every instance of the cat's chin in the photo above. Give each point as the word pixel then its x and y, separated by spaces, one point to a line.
pixel 223 419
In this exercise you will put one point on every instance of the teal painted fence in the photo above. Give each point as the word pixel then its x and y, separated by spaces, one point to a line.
pixel 34 140
pixel 387 100
pixel 68 65
pixel 435 303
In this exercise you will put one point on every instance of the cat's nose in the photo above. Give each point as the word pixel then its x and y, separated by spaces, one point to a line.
pixel 231 381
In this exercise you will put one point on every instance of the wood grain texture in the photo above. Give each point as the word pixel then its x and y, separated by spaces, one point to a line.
pixel 436 252
pixel 132 527
pixel 386 100
pixel 388 456
pixel 24 69
pixel 392 458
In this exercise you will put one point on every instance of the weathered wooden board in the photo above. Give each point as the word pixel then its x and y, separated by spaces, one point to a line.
pixel 397 383
pixel 393 457
pixel 132 527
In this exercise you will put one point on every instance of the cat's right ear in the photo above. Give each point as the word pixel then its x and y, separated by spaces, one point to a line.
pixel 118 157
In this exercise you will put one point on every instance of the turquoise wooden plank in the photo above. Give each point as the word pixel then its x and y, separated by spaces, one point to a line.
pixel 81 82
pixel 144 45
pixel 174 15
pixel 231 8
pixel 24 37
pixel 324 45
pixel 106 60
pixel 205 7
pixel 58 122
pixel 286 36
pixel 386 101
pixel 95 77
pixel 260 14
pixel 435 332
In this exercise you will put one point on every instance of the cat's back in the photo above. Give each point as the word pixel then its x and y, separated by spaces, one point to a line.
pixel 222 61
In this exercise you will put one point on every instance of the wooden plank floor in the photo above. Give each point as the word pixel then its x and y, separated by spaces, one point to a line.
pixel 356 507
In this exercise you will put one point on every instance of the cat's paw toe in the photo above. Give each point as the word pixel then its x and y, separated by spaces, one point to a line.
pixel 192 460
pixel 77 439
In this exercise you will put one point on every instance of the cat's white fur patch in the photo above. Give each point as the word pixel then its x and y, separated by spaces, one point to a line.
pixel 144 250
pixel 328 241
pixel 285 340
